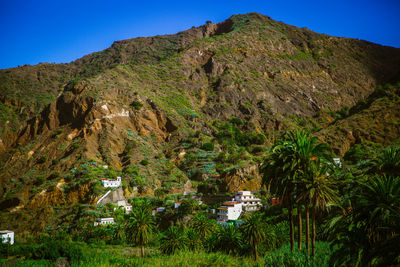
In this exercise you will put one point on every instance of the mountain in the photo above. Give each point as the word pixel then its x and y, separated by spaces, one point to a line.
pixel 193 110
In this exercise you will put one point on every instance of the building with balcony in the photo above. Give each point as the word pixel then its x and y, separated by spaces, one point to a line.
pixel 249 202
pixel 230 210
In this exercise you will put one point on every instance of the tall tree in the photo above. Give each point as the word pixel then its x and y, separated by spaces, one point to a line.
pixel 278 177
pixel 286 170
pixel 320 190
pixel 304 150
pixel 254 231
pixel 140 226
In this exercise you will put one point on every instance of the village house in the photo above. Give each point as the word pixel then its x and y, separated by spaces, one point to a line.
pixel 177 204
pixel 250 203
pixel 7 236
pixel 111 183
pixel 229 210
pixel 104 221
pixel 158 210
pixel 337 162
pixel 123 203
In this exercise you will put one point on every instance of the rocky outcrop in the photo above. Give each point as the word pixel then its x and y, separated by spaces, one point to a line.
pixel 243 179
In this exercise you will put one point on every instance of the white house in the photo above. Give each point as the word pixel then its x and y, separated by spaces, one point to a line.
pixel 104 221
pixel 122 203
pixel 158 210
pixel 230 210
pixel 7 236
pixel 177 204
pixel 337 162
pixel 250 203
pixel 111 183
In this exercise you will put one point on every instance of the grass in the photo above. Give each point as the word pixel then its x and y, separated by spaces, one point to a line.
pixel 128 256
pixel 116 255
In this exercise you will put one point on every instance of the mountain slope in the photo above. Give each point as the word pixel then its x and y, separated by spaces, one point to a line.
pixel 155 109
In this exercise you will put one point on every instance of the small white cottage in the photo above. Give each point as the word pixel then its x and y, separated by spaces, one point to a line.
pixel 111 183
pixel 7 236
pixel 104 221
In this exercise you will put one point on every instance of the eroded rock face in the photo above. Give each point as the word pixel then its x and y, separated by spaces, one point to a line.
pixel 243 179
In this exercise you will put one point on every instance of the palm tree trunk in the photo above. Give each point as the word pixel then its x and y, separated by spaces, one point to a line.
pixel 299 211
pixel 291 225
pixel 307 228
pixel 142 250
pixel 255 252
pixel 313 231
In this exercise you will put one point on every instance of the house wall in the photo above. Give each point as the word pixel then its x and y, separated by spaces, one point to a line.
pixel 8 238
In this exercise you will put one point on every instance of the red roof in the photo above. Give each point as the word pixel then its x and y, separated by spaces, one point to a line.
pixel 230 203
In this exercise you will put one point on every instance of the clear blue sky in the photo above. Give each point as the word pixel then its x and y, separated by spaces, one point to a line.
pixel 62 31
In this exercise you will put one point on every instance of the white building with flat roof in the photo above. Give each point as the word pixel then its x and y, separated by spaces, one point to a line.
pixel 125 205
pixel 104 221
pixel 250 203
pixel 111 183
pixel 7 236
pixel 229 210
pixel 337 162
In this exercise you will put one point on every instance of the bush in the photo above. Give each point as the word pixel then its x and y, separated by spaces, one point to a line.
pixel 42 159
pixel 136 105
pixel 50 250
pixel 208 146
pixel 144 162
pixel 54 175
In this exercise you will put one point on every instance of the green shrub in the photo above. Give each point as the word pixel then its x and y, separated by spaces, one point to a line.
pixel 54 175
pixel 145 162
pixel 208 146
pixel 42 159
pixel 136 105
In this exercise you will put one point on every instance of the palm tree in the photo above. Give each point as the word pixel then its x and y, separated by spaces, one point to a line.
pixel 172 240
pixel 140 227
pixel 278 177
pixel 369 232
pixel 193 239
pixel 254 231
pixel 202 225
pixel 378 206
pixel 320 190
pixel 388 161
pixel 226 239
pixel 305 150
pixel 286 169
